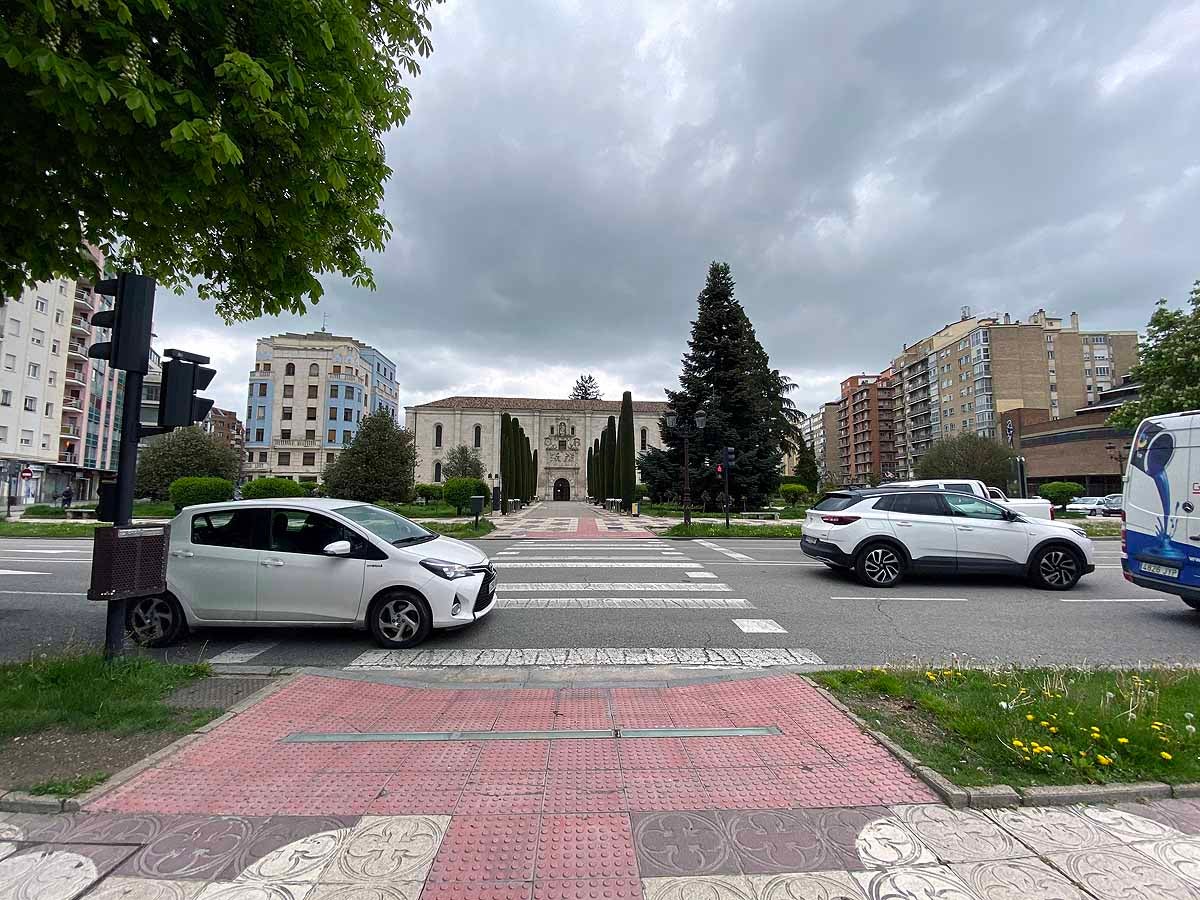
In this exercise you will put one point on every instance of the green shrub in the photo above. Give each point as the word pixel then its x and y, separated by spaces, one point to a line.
pixel 263 488
pixel 640 492
pixel 194 489
pixel 1060 493
pixel 430 493
pixel 793 494
pixel 459 491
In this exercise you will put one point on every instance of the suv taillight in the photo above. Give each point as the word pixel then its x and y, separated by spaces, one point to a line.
pixel 839 520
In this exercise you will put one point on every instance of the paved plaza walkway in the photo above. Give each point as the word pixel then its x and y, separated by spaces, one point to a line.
pixel 372 788
pixel 569 519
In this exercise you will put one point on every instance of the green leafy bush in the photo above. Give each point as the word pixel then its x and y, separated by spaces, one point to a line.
pixel 640 492
pixel 459 491
pixel 430 493
pixel 793 494
pixel 193 489
pixel 263 488
pixel 1060 493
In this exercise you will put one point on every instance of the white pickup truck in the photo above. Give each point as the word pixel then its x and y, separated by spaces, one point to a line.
pixel 1035 508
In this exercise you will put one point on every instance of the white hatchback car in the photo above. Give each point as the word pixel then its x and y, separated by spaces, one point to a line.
pixel 289 562
pixel 881 534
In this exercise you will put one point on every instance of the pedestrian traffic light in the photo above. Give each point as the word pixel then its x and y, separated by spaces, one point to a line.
pixel 183 374
pixel 727 454
pixel 129 321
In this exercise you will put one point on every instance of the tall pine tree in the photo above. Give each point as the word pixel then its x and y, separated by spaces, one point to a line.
pixel 534 471
pixel 727 372
pixel 586 388
pixel 626 466
pixel 806 465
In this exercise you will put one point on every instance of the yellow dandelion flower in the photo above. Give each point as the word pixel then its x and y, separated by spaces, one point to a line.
pixel 1103 760
pixel 1017 744
pixel 1044 723
pixel 1028 717
pixel 1026 759
pixel 1122 740
pixel 1155 726
pixel 1167 756
pixel 1053 730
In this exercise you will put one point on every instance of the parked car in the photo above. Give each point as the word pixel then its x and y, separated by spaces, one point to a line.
pixel 883 534
pixel 1034 507
pixel 1090 506
pixel 1114 505
pixel 309 561
pixel 1161 535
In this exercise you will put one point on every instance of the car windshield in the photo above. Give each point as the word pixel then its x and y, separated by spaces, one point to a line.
pixel 392 528
pixel 1088 500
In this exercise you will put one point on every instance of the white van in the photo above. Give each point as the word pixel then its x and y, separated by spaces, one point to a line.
pixel 1160 542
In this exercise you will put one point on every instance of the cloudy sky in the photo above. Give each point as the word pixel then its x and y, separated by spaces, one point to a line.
pixel 570 169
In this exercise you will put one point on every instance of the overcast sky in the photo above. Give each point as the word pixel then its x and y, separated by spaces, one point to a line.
pixel 570 169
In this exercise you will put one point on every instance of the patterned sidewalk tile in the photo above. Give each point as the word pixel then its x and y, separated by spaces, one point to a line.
pixel 122 888
pixel 387 849
pixel 959 836
pixel 1123 873
pixel 917 882
pixel 673 844
pixel 1050 829
pixel 807 886
pixel 1016 879
pixel 56 871
pixel 700 887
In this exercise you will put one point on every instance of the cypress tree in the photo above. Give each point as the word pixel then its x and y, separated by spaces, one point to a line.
pixel 595 469
pixel 614 459
pixel 535 471
pixel 588 470
pixel 603 467
pixel 505 474
pixel 625 465
pixel 514 460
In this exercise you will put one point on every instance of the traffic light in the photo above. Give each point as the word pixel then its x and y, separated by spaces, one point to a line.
pixel 130 321
pixel 727 454
pixel 183 374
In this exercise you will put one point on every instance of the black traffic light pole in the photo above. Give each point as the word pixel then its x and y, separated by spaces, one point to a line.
pixel 114 623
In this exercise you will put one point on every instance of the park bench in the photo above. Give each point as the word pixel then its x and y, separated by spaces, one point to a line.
pixel 760 515
pixel 80 513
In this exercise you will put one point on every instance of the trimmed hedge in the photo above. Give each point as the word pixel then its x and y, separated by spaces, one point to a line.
pixel 430 493
pixel 264 488
pixel 194 489
pixel 793 494
pixel 459 491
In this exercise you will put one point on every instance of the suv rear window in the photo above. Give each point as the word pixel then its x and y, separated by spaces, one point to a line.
pixel 835 502
pixel 960 488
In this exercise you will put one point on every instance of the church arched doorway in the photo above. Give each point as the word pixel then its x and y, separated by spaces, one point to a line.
pixel 562 489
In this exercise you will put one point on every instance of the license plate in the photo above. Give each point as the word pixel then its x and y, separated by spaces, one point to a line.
pixel 1165 571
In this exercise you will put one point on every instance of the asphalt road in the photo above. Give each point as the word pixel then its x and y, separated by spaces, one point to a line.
pixel 690 594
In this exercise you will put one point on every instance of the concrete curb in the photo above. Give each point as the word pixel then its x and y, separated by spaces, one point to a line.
pixel 1002 796
pixel 21 802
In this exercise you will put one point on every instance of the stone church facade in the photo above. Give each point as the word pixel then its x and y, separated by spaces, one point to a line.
pixel 561 430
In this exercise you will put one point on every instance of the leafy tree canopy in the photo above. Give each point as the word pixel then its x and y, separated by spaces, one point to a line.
pixel 806 463
pixel 967 456
pixel 1169 368
pixel 462 462
pixel 180 453
pixel 378 465
pixel 235 144
pixel 459 492
pixel 1060 493
pixel 586 388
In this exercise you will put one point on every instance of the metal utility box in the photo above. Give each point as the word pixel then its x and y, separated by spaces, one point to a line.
pixel 129 561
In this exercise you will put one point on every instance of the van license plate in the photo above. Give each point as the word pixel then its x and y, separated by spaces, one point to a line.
pixel 1165 571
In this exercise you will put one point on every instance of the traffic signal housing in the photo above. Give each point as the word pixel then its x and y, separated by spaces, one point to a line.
pixel 727 454
pixel 183 374
pixel 130 322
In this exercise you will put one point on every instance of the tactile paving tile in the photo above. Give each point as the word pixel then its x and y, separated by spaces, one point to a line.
pixel 476 890
pixel 598 791
pixel 487 849
pixel 513 756
pixel 501 793
pixel 336 794
pixel 652 753
pixel 579 755
pixel 650 789
pixel 437 793
pixel 588 889
pixel 586 846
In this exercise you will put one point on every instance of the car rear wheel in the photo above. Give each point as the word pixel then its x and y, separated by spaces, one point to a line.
pixel 155 621
pixel 879 565
pixel 400 619
pixel 1056 568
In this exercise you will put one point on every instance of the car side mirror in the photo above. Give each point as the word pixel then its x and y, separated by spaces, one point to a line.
pixel 1011 515
pixel 337 548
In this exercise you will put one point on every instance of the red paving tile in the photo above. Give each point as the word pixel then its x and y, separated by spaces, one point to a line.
pixel 429 794
pixel 588 889
pixel 585 846
pixel 477 890
pixel 487 849
pixel 598 791
pixel 336 794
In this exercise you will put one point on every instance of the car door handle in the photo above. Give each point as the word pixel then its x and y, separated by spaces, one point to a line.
pixel 273 563
pixel 966 528
pixel 904 524
pixel 186 554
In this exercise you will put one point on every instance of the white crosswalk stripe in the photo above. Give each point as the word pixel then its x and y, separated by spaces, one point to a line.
pixel 242 652
pixel 570 587
pixel 588 656
pixel 574 564
pixel 506 560
pixel 623 603
pixel 732 554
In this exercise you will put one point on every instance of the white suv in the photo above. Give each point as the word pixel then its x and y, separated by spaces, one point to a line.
pixel 884 533
pixel 289 562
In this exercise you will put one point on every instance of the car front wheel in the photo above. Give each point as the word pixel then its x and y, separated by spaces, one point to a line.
pixel 399 619
pixel 155 621
pixel 879 565
pixel 1056 568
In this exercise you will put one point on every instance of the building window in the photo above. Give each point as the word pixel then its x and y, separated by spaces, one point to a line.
pixel 31 404
pixel 314 371
pixel 49 410
pixel 347 437
pixel 347 415
pixel 34 370
pixel 332 436
pixel 285 434
pixel 311 414
pixel 1049 354
pixel 285 458
pixel 337 370
pixel 333 391
pixel 258 435
pixel 312 392
pixel 310 434
pixel 329 457
pixel 56 346
pixel 266 367
pixel 1101 370
pixel 309 459
pixel 287 413
pixel 51 378
pixel 14 328
pixel 289 391
pixel 478 436
pixel 551 429
pixel 58 317
pixel 26 438
pixel 38 337
pixel 437 441
pixel 644 436
pixel 10 362
pixel 289 369
pixel 333 413
pixel 262 456
pixel 562 444
pixel 437 472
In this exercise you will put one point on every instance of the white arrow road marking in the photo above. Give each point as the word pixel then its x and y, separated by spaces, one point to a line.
pixel 760 626
pixel 507 561
pixel 732 554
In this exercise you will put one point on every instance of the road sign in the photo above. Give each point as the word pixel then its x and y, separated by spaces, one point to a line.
pixel 26 474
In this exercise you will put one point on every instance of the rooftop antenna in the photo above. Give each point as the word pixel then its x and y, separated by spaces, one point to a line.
pixel 324 321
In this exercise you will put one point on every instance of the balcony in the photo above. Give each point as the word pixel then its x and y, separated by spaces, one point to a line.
pixel 73 403
pixel 83 298
pixel 296 442
pixel 70 432
pixel 79 323
pixel 76 376
pixel 77 349
pixel 68 459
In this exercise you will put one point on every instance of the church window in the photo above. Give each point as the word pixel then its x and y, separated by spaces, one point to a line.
pixel 478 436
pixel 643 438
pixel 437 439
pixel 437 472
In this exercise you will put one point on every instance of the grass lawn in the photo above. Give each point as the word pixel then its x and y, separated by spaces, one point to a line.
pixel 1034 726
pixel 674 509
pixel 463 530
pixel 1101 527
pixel 147 509
pixel 47 529
pixel 66 722
pixel 734 530
pixel 425 510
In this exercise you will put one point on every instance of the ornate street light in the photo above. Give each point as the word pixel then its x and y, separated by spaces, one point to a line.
pixel 672 421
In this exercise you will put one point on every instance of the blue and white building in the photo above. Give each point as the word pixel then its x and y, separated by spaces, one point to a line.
pixel 307 396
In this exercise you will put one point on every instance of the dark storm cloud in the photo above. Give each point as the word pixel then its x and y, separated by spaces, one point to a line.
pixel 867 169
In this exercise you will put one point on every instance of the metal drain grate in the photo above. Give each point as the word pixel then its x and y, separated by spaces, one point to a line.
pixel 595 734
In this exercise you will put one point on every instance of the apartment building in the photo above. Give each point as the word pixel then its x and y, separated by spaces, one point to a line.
pixel 820 430
pixel 59 410
pixel 306 398
pixel 865 434
pixel 226 427
pixel 965 376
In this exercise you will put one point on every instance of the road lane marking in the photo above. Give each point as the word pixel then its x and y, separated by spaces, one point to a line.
pixel 36 550
pixel 48 593
pixel 732 554
pixel 734 657
pixel 42 560
pixel 579 557
pixel 565 587
pixel 623 603
pixel 895 597
pixel 243 652
pixel 20 572
pixel 759 626
pixel 699 574
pixel 1114 599
pixel 518 564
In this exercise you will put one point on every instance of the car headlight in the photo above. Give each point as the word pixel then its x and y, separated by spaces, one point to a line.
pixel 447 570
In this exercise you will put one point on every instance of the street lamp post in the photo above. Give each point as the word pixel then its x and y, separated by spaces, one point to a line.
pixel 1118 454
pixel 672 420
